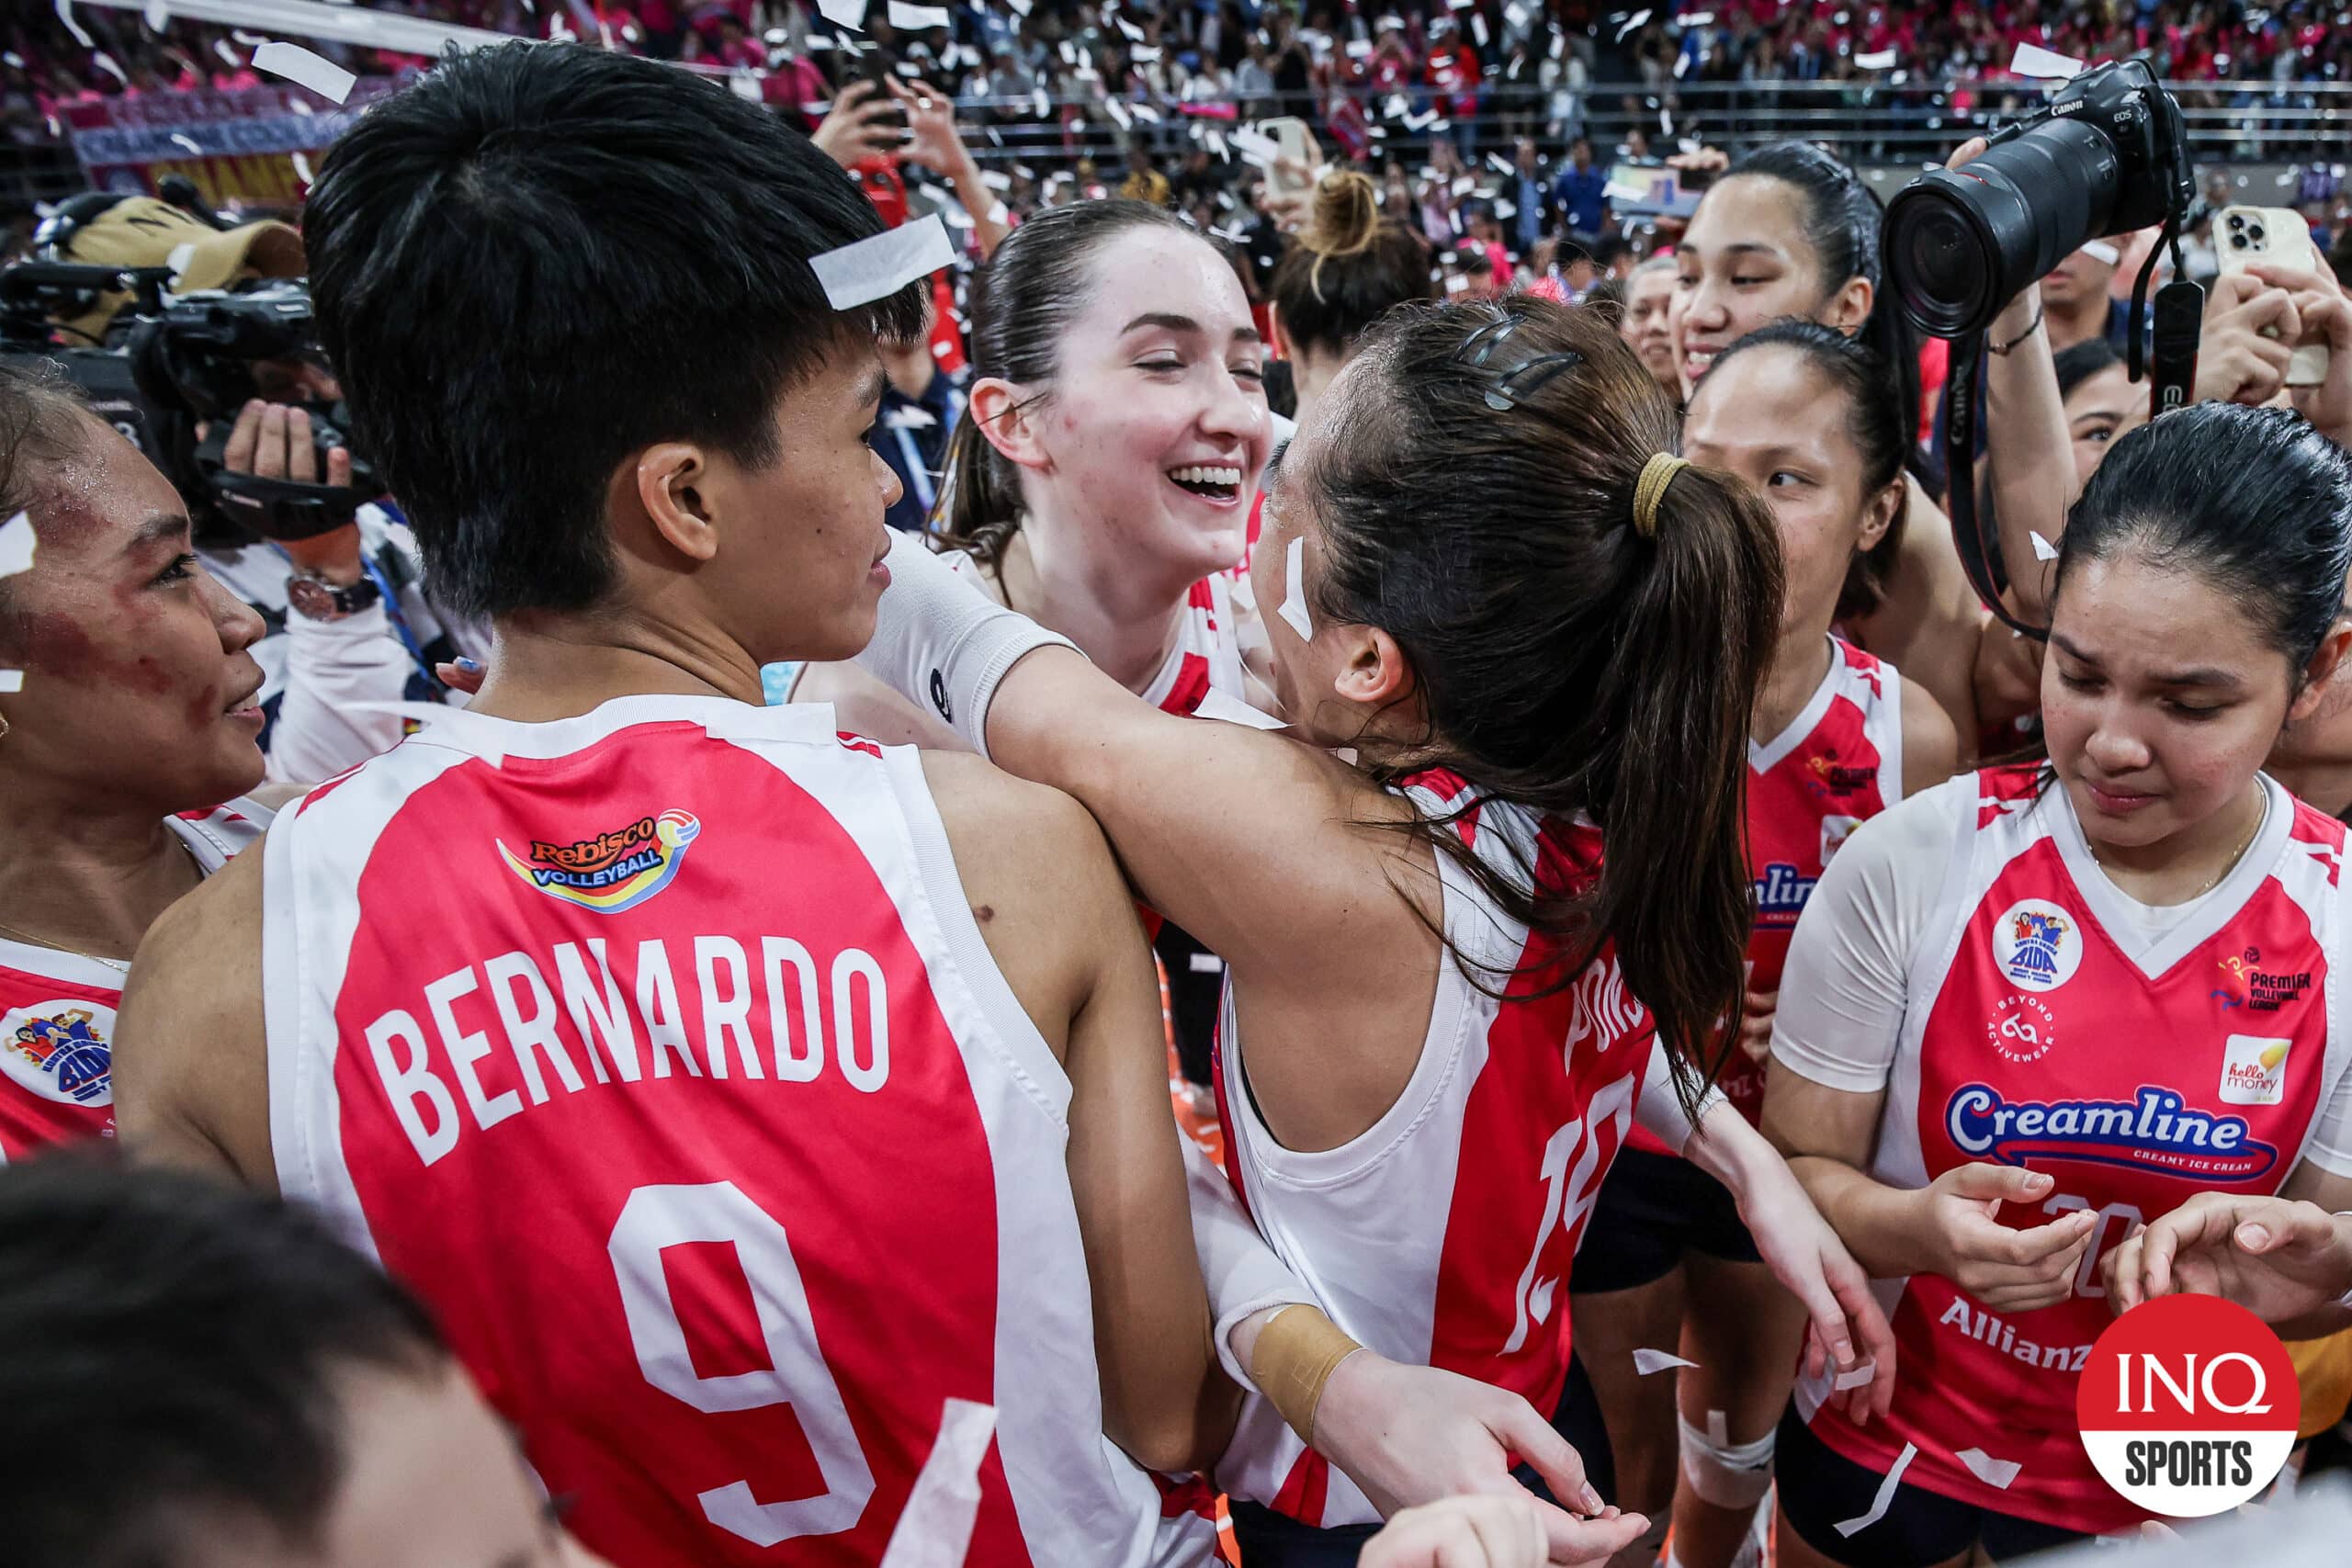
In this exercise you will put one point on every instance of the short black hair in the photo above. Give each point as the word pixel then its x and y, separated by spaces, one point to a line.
pixel 167 1346
pixel 543 257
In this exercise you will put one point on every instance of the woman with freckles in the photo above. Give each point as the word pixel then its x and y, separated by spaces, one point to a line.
pixel 130 733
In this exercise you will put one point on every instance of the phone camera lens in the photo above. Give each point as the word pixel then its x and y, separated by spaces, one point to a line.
pixel 2254 233
pixel 2237 242
pixel 2237 220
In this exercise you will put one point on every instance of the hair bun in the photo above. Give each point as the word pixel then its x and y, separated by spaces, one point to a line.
pixel 1344 216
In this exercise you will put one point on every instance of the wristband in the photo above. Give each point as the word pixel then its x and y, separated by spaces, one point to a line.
pixel 942 643
pixel 1296 1353
pixel 2032 327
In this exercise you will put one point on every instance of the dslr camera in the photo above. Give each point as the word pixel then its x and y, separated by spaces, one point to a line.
pixel 2107 154
pixel 171 363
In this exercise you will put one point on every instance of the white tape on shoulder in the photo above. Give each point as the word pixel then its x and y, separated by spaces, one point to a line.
pixel 1293 605
pixel 298 64
pixel 883 264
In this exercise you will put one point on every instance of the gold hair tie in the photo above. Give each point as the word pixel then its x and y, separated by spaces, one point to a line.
pixel 1650 488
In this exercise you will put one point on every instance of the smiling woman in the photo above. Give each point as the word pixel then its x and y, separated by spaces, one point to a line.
pixel 136 719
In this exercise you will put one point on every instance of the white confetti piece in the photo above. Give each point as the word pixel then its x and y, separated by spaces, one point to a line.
pixel 1358 49
pixel 158 13
pixel 1478 29
pixel 298 65
pixel 918 18
pixel 1635 20
pixel 1985 1468
pixel 843 13
pixel 1209 962
pixel 1118 111
pixel 999 215
pixel 883 264
pixel 1292 608
pixel 2042 549
pixel 1877 60
pixel 2033 60
pixel 1232 710
pixel 12 680
pixel 81 35
pixel 11 57
pixel 1134 33
pixel 1647 1362
pixel 1145 112
pixel 1855 1377
pixel 181 139
pixel 1020 8
pixel 1884 1498
pixel 16 544
pixel 106 64
pixel 1045 105
pixel 2099 250
pixel 909 419
pixel 934 1531
pixel 1502 165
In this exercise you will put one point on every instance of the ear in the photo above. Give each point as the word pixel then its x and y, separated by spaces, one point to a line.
pixel 1851 306
pixel 1003 415
pixel 1283 348
pixel 1879 515
pixel 2320 674
pixel 1375 672
pixel 670 484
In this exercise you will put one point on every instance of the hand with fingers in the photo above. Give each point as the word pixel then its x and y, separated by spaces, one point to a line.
pixel 2005 1268
pixel 2326 315
pixel 932 140
pixel 2250 332
pixel 1848 1327
pixel 272 441
pixel 1490 1530
pixel 1413 1435
pixel 864 122
pixel 1755 1014
pixel 2274 1257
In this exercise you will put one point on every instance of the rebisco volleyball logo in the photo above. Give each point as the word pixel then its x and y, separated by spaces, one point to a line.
pixel 2187 1405
pixel 610 871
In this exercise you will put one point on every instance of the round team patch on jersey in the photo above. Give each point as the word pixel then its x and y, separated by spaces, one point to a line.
pixel 2021 1029
pixel 60 1050
pixel 2187 1405
pixel 2037 945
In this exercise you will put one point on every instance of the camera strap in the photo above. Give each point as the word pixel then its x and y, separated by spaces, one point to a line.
pixel 1975 550
pixel 2180 325
pixel 275 509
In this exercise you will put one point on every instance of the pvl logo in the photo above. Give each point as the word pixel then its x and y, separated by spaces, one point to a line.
pixel 2187 1405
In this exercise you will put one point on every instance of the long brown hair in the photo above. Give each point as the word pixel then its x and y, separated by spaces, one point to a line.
pixel 1474 494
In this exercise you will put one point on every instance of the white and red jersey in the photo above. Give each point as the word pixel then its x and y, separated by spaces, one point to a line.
pixel 1837 764
pixel 2134 1071
pixel 658 1050
pixel 1443 1235
pixel 57 1011
pixel 1207 652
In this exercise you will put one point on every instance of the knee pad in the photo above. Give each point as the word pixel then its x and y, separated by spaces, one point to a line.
pixel 1728 1476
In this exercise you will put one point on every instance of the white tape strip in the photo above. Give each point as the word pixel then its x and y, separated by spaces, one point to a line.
pixel 883 264
pixel 1884 1498
pixel 1990 1470
pixel 81 36
pixel 1718 1429
pixel 298 64
pixel 1877 60
pixel 934 1531
pixel 1861 1373
pixel 1206 963
pixel 2042 549
pixel 1292 608
pixel 17 542
pixel 918 18
pixel 2033 60
pixel 843 13
pixel 1233 710
pixel 12 680
pixel 2100 250
pixel 1647 1362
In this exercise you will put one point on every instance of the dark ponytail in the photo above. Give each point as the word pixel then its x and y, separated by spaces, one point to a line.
pixel 2254 501
pixel 1039 276
pixel 1843 219
pixel 1875 420
pixel 1475 490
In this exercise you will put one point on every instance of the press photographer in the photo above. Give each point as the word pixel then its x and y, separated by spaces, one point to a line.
pixel 202 355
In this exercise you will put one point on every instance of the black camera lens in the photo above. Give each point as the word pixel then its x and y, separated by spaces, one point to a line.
pixel 2237 219
pixel 2237 242
pixel 2254 232
pixel 1961 243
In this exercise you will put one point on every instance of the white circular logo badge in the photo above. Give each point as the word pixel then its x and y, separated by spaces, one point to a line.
pixel 60 1050
pixel 2021 1029
pixel 2037 945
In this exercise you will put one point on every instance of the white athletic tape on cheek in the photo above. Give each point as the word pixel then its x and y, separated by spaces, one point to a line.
pixel 2042 549
pixel 1884 1498
pixel 1293 605
pixel 1233 710
pixel 1859 1375
pixel 1647 1362
pixel 935 1529
pixel 1990 1470
pixel 883 264
pixel 17 542
pixel 2033 60
pixel 298 64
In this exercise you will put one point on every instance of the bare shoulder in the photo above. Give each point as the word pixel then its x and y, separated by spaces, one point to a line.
pixel 1040 880
pixel 190 1059
pixel 1931 740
